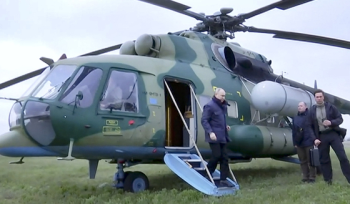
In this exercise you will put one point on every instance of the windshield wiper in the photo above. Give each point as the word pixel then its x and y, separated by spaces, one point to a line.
pixel 55 92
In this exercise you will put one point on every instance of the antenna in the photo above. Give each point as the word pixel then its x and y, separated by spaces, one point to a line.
pixel 315 84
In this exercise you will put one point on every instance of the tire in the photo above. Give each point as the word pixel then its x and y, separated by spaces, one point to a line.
pixel 136 182
pixel 126 175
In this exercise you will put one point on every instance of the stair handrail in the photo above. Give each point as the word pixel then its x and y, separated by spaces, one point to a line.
pixel 196 99
pixel 184 122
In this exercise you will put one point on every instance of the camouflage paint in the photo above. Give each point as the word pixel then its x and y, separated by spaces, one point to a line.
pixel 188 57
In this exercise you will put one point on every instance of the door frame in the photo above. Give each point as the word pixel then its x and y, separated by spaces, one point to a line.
pixel 193 121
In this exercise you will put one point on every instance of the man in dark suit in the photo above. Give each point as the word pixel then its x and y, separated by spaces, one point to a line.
pixel 303 142
pixel 323 125
pixel 214 124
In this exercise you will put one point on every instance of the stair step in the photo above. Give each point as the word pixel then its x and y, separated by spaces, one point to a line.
pixel 193 160
pixel 217 183
pixel 193 163
pixel 185 157
pixel 191 169
pixel 216 179
pixel 202 172
pixel 222 188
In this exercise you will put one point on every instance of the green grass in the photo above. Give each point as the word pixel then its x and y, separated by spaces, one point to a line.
pixel 46 180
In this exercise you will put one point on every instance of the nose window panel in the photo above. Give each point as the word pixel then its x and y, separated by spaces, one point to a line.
pixel 37 122
pixel 15 115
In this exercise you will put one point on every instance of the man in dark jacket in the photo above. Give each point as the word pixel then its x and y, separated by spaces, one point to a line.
pixel 323 125
pixel 303 141
pixel 215 127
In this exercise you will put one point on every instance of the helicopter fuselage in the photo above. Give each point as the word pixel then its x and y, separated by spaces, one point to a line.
pixel 146 123
pixel 146 103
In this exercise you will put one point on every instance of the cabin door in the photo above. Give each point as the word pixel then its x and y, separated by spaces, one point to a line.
pixel 179 109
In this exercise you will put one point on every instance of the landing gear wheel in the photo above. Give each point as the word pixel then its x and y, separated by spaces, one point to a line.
pixel 136 182
pixel 126 175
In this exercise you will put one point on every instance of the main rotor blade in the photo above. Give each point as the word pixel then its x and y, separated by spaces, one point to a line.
pixel 11 99
pixel 39 71
pixel 283 5
pixel 302 37
pixel 101 51
pixel 21 78
pixel 177 7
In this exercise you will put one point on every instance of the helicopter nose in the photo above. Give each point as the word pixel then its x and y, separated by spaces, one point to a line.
pixel 12 140
pixel 16 143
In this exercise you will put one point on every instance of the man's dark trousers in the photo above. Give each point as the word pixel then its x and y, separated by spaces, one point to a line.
pixel 332 139
pixel 309 172
pixel 219 155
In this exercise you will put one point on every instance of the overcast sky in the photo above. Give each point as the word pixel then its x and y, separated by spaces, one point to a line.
pixel 30 29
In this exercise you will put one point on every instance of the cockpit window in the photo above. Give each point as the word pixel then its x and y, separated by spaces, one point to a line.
pixel 36 82
pixel 121 92
pixel 87 81
pixel 52 84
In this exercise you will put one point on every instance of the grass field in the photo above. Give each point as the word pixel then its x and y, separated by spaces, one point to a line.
pixel 46 180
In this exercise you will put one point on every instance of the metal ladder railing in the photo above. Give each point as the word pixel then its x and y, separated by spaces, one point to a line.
pixel 199 105
pixel 194 142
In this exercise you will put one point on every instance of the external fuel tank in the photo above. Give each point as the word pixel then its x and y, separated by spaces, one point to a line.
pixel 260 141
pixel 270 97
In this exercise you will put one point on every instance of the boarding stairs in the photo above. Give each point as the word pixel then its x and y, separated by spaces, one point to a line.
pixel 193 169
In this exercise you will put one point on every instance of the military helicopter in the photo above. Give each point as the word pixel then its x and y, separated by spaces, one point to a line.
pixel 144 105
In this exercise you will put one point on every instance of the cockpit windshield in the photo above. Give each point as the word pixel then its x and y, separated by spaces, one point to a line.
pixel 36 82
pixel 53 83
pixel 86 81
